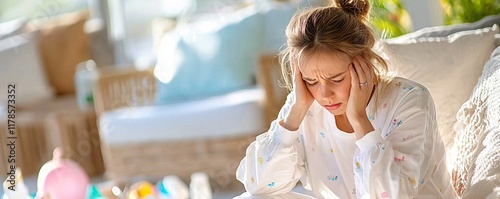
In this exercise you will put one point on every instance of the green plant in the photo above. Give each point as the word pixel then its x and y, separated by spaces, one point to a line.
pixel 463 11
pixel 389 18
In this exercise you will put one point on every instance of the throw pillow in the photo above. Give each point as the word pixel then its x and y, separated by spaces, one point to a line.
pixel 63 44
pixel 448 66
pixel 211 56
pixel 277 15
pixel 443 31
pixel 20 64
pixel 497 39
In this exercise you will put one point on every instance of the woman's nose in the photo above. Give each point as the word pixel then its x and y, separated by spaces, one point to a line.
pixel 326 92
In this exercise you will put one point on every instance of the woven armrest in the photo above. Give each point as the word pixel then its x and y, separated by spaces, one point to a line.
pixel 269 77
pixel 117 87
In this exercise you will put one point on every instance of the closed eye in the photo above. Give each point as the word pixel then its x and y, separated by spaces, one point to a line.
pixel 311 83
pixel 337 81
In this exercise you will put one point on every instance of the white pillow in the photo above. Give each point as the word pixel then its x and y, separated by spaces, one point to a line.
pixel 448 66
pixel 497 39
pixel 20 64
pixel 443 31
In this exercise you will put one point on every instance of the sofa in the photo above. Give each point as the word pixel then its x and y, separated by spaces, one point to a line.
pixel 143 141
pixel 458 64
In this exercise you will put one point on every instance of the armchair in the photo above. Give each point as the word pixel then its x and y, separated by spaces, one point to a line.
pixel 141 140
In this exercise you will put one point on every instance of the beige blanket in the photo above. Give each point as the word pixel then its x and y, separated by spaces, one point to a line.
pixel 476 153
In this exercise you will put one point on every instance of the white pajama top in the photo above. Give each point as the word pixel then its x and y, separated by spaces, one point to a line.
pixel 404 157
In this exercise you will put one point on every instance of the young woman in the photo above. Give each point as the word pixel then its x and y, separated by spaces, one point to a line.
pixel 347 129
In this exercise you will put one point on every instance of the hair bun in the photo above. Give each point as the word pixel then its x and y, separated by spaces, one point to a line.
pixel 359 8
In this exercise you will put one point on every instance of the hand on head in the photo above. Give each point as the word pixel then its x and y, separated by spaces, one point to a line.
pixel 303 100
pixel 361 88
pixel 303 97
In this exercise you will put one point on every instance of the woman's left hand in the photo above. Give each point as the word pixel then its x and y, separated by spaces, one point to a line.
pixel 361 89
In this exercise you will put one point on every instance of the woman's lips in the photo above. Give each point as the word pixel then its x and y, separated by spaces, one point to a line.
pixel 333 106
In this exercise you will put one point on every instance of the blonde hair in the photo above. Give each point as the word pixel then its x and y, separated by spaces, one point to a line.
pixel 340 27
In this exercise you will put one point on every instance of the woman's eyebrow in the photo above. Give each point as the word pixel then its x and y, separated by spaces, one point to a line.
pixel 330 77
pixel 339 74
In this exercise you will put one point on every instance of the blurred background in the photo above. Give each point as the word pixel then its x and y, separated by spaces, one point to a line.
pixel 135 90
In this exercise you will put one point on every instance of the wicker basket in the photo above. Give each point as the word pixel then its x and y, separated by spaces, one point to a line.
pixel 269 76
pixel 40 131
pixel 75 131
pixel 31 149
pixel 153 160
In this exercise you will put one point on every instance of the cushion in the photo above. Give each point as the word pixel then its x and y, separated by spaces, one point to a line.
pixel 211 56
pixel 477 144
pixel 20 64
pixel 443 31
pixel 12 28
pixel 63 44
pixel 216 117
pixel 277 15
pixel 448 66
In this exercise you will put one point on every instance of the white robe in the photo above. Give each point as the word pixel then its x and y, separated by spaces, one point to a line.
pixel 404 157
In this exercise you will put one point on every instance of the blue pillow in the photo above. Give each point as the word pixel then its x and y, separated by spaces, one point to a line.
pixel 210 57
pixel 277 15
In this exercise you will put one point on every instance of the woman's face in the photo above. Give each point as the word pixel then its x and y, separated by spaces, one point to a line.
pixel 327 77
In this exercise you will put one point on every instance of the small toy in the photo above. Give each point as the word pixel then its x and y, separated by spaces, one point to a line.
pixel 14 186
pixel 200 186
pixel 143 190
pixel 94 193
pixel 61 179
pixel 172 187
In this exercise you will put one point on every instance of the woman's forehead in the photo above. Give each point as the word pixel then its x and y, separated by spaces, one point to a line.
pixel 325 62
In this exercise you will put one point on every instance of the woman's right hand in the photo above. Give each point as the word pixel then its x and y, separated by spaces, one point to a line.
pixel 303 100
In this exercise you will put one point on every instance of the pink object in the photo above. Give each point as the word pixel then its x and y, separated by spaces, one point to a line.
pixel 61 179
